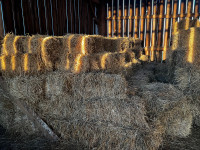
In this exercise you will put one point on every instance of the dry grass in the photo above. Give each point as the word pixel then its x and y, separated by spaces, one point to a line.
pixel 167 105
pixel 185 24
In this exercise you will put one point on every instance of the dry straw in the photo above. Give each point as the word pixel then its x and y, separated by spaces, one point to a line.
pixel 87 85
pixel 97 135
pixel 185 24
pixel 168 106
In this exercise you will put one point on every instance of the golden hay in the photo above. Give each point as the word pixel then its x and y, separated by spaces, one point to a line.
pixel 86 85
pixel 7 46
pixel 34 44
pixel 51 50
pixel 186 24
pixel 167 105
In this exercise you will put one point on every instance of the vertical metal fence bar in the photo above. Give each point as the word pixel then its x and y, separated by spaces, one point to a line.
pixel 107 20
pixel 39 16
pixel 13 17
pixel 23 17
pixel 140 13
pixel 145 24
pixel 128 21
pixel 123 19
pixel 67 17
pixel 186 7
pixel 46 17
pixel 4 31
pixel 179 10
pixel 171 22
pixel 79 28
pixel 151 26
pixel 112 23
pixel 117 26
pixel 134 18
pixel 164 24
pixel 70 9
pixel 52 17
pixel 74 16
pixel 193 8
pixel 87 19
pixel 96 27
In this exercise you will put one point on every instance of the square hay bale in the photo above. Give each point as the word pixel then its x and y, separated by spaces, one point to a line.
pixel 32 64
pixel 96 135
pixel 7 46
pixel 185 24
pixel 5 65
pixel 34 44
pixel 90 85
pixel 126 113
pixel 115 44
pixel 86 85
pixel 51 50
pixel 167 105
pixel 28 88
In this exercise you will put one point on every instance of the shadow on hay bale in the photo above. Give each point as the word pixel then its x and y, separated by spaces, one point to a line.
pixel 168 107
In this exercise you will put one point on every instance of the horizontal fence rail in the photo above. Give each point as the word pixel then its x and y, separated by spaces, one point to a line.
pixel 150 20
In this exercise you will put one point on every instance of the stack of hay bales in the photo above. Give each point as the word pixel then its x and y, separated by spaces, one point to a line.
pixel 184 62
pixel 73 53
pixel 88 106
pixel 92 109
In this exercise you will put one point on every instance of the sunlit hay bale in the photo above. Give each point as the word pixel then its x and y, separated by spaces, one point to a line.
pixel 7 44
pixel 32 64
pixel 77 43
pixel 186 53
pixel 27 88
pixel 167 105
pixel 186 24
pixel 101 135
pixel 112 62
pixel 51 50
pixel 116 111
pixel 5 65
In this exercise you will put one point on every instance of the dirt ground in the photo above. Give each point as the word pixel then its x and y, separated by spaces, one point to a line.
pixel 9 142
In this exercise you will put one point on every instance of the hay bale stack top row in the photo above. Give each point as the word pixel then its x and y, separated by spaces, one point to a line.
pixel 74 53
